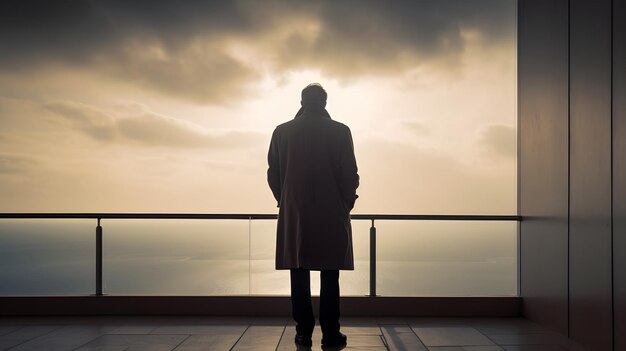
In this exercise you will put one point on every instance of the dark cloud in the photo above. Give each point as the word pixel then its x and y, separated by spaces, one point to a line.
pixel 77 30
pixel 365 37
pixel 148 129
pixel 184 48
pixel 163 46
pixel 200 72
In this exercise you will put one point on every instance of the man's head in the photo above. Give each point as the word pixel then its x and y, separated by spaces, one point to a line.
pixel 314 94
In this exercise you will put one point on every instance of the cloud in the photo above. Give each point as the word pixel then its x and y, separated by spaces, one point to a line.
pixel 176 50
pixel 148 129
pixel 198 71
pixel 13 164
pixel 348 38
pixel 92 122
pixel 403 178
pixel 499 141
pixel 213 51
pixel 417 128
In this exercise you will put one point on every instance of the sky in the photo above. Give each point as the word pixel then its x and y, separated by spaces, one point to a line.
pixel 168 106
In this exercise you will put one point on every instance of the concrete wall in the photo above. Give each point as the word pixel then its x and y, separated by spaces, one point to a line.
pixel 571 158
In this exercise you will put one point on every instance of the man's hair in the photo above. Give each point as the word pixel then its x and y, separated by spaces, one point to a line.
pixel 314 94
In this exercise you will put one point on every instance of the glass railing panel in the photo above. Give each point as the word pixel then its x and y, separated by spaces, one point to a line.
pixel 447 258
pixel 175 257
pixel 235 257
pixel 265 279
pixel 47 257
pixel 356 282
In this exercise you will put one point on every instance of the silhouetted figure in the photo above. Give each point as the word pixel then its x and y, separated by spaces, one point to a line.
pixel 313 176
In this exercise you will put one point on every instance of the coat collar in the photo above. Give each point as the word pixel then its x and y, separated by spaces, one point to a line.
pixel 312 110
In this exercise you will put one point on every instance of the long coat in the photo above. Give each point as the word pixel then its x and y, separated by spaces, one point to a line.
pixel 313 176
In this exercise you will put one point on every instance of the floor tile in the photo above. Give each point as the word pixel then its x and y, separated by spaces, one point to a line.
pixel 529 339
pixel 465 348
pixel 390 320
pixel 7 344
pixel 535 348
pixel 134 329
pixel 401 338
pixel 270 321
pixel 105 348
pixel 25 334
pixel 6 329
pixel 357 321
pixel 137 342
pixel 150 347
pixel 209 342
pixel 201 329
pixel 65 338
pixel 362 330
pixel 221 320
pixel 451 336
pixel 259 337
pixel 438 322
pixel 29 332
pixel 365 340
pixel 494 326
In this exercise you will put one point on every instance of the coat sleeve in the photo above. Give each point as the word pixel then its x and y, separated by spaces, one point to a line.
pixel 349 171
pixel 273 171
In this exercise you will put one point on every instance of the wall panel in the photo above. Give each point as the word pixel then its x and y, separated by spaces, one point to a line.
pixel 590 287
pixel 543 161
pixel 619 171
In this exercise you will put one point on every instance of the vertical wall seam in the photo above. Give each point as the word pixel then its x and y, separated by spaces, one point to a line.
pixel 569 158
pixel 612 191
pixel 519 154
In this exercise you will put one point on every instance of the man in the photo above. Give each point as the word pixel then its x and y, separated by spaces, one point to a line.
pixel 313 176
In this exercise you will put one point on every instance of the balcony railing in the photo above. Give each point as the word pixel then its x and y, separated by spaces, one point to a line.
pixel 98 217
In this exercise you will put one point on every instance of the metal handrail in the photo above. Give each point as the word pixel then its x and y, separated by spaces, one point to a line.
pixel 255 216
pixel 241 216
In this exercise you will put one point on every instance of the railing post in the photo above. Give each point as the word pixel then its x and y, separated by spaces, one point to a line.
pixel 372 259
pixel 98 259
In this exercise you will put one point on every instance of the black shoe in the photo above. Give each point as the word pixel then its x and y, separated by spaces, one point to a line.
pixel 334 341
pixel 303 340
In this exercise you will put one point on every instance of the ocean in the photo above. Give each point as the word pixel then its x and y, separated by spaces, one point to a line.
pixel 236 257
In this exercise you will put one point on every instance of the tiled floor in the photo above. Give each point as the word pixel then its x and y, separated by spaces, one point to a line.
pixel 139 333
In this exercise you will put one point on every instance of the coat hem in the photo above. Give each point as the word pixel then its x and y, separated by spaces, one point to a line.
pixel 314 268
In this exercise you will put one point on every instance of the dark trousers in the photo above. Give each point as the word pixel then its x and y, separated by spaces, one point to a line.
pixel 329 301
